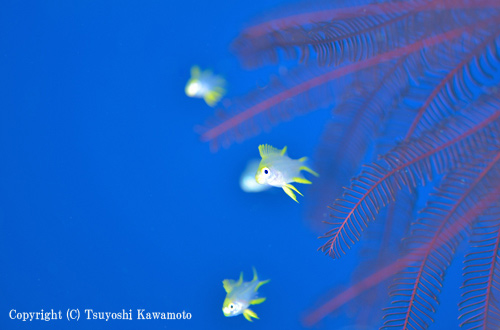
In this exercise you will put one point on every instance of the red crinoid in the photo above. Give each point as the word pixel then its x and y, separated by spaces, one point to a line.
pixel 415 91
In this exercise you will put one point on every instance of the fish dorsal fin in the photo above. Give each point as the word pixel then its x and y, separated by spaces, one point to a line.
pixel 229 285
pixel 195 71
pixel 266 150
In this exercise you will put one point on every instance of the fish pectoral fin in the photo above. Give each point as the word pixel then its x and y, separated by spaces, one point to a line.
pixel 257 301
pixel 290 193
pixel 248 314
pixel 307 169
pixel 301 180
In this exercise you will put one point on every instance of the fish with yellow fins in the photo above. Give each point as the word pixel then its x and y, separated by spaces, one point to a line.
pixel 278 170
pixel 240 295
pixel 205 85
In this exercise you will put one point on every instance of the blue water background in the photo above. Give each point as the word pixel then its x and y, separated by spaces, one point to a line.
pixel 109 201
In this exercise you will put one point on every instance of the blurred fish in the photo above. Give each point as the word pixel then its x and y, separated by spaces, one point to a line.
pixel 206 85
pixel 247 179
pixel 278 170
pixel 240 295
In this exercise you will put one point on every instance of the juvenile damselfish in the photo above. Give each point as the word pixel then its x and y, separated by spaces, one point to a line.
pixel 206 85
pixel 279 170
pixel 240 295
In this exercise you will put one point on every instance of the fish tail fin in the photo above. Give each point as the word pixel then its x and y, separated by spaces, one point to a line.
pixel 307 169
pixel 261 283
pixel 301 180
pixel 248 314
pixel 220 90
pixel 255 277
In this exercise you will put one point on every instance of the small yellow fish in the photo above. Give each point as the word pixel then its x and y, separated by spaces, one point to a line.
pixel 278 170
pixel 240 295
pixel 206 85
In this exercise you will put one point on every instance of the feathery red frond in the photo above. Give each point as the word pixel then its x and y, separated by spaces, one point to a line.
pixel 411 163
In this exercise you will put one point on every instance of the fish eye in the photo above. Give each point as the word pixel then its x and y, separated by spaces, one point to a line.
pixel 231 306
pixel 265 170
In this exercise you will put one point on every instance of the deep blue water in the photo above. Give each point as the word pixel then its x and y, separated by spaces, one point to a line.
pixel 109 201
